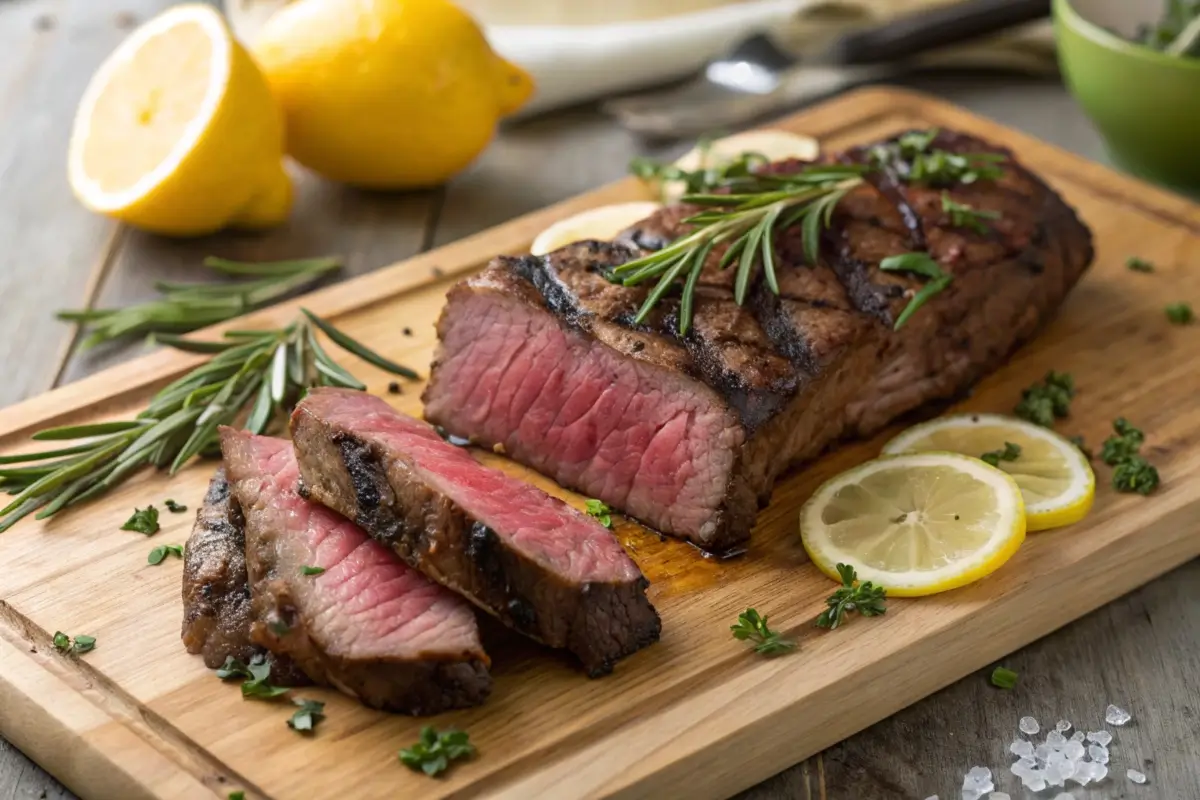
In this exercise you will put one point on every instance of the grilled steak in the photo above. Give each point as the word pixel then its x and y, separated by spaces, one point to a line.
pixel 531 560
pixel 688 434
pixel 367 624
pixel 216 592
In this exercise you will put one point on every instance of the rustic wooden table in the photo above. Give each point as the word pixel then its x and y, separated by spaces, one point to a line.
pixel 1142 652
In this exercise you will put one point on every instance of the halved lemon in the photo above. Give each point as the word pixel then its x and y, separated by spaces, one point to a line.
pixel 1056 481
pixel 916 524
pixel 774 145
pixel 178 132
pixel 601 223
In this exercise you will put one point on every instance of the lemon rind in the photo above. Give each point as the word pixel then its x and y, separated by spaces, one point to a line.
pixel 547 241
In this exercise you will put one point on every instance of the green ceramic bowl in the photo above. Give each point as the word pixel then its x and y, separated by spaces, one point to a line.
pixel 1146 104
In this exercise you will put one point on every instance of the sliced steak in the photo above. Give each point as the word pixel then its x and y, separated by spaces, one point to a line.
pixel 542 356
pixel 216 591
pixel 538 565
pixel 367 624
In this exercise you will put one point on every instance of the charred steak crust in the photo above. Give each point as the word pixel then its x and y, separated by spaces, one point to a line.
pixel 368 625
pixel 598 621
pixel 216 591
pixel 688 434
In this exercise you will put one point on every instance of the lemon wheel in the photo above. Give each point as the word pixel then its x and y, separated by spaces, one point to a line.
pixel 1056 481
pixel 916 524
pixel 602 223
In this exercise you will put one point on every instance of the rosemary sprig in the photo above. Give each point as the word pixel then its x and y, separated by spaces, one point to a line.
pixel 702 179
pixel 748 219
pixel 252 377
pixel 186 307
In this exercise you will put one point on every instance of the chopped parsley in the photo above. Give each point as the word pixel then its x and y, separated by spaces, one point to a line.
pixel 1004 678
pixel 1125 443
pixel 1180 314
pixel 306 570
pixel 83 644
pixel 1131 472
pixel 1135 264
pixel 144 520
pixel 866 598
pixel 307 716
pixel 1042 402
pixel 1135 475
pixel 62 642
pixel 753 627
pixel 256 674
pixel 434 752
pixel 601 511
pixel 1010 453
pixel 238 795
pixel 160 553
pixel 173 507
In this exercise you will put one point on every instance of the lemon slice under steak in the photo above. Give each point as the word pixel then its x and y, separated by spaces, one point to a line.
pixel 1056 480
pixel 774 145
pixel 917 523
pixel 602 223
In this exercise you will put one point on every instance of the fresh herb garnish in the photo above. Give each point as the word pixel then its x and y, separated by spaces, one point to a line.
pixel 1135 264
pixel 702 179
pixel 1136 475
pixel 1126 442
pixel 750 626
pixel 144 520
pixel 434 752
pixel 256 674
pixel 920 264
pixel 1004 678
pixel 83 643
pixel 1043 402
pixel 1180 313
pixel 175 508
pixel 186 307
pixel 601 511
pixel 1010 453
pixel 306 570
pixel 263 371
pixel 307 716
pixel 1177 33
pixel 1131 472
pixel 744 210
pixel 866 598
pixel 160 553
pixel 965 216
pixel 238 795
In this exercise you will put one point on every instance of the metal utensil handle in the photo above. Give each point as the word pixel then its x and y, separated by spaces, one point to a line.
pixel 928 30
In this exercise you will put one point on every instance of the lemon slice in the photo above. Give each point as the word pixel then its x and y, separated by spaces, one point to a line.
pixel 774 145
pixel 178 133
pixel 601 223
pixel 1056 481
pixel 917 523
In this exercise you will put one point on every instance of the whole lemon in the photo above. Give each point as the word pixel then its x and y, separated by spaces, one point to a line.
pixel 386 94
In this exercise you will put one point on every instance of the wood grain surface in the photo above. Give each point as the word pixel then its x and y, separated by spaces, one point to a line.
pixel 695 708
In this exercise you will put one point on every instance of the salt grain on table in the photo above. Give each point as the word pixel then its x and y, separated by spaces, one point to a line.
pixel 1098 753
pixel 1102 738
pixel 1029 726
pixel 1117 716
pixel 1063 726
pixel 1133 775
pixel 1022 748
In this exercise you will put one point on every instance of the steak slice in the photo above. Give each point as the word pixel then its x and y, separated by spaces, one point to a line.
pixel 216 591
pixel 367 624
pixel 541 355
pixel 538 565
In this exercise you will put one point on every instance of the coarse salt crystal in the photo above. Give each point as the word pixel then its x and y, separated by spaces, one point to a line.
pixel 1133 775
pixel 1100 737
pixel 1029 726
pixel 1064 796
pixel 1117 716
pixel 1000 796
pixel 1055 739
pixel 1021 747
pixel 1078 736
pixel 1063 726
pixel 1074 750
pixel 1099 772
pixel 1034 783
pixel 1099 753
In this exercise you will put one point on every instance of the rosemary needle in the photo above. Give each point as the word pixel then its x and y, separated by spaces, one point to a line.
pixel 186 307
pixel 251 376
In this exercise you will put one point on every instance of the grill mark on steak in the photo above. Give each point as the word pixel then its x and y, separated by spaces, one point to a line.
pixel 368 624
pixel 540 567
pixel 844 371
pixel 216 592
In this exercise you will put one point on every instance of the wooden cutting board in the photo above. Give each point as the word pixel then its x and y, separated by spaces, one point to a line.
pixel 697 714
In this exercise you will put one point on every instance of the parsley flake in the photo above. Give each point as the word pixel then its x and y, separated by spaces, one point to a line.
pixel 238 795
pixel 601 511
pixel 1135 475
pixel 307 716
pixel 1125 443
pixel 1010 453
pixel 434 752
pixel 255 674
pixel 62 642
pixel 306 570
pixel 1131 472
pixel 83 644
pixel 175 508
pixel 1042 402
pixel 1135 264
pixel 753 627
pixel 160 553
pixel 144 520
pixel 866 598
pixel 1180 314
pixel 1004 678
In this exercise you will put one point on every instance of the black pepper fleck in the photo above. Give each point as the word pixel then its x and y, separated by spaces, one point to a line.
pixel 395 388
pixel 407 331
